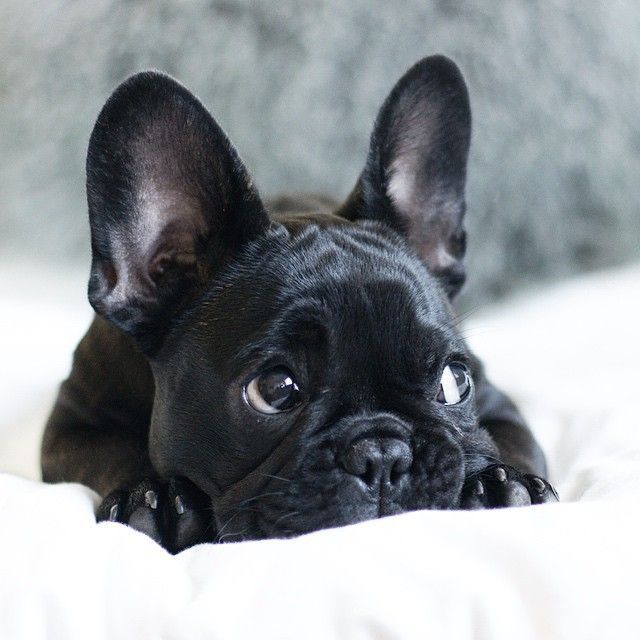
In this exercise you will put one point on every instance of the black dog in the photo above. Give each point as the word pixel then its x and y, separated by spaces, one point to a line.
pixel 259 371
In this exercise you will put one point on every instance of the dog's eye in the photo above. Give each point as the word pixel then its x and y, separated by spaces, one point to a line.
pixel 273 391
pixel 455 384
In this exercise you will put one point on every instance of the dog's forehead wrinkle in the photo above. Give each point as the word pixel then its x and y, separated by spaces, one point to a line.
pixel 371 352
pixel 355 259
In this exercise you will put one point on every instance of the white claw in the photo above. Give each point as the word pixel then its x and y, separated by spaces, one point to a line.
pixel 151 499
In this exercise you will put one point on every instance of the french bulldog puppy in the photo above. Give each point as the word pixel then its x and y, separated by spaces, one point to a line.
pixel 258 370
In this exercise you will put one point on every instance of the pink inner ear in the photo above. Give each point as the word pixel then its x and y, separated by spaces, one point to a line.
pixel 169 226
pixel 428 220
pixel 401 185
pixel 174 249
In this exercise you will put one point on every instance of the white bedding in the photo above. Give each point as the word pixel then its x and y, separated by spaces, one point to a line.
pixel 568 355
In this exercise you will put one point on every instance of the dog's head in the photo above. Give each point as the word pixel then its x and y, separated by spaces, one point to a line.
pixel 308 369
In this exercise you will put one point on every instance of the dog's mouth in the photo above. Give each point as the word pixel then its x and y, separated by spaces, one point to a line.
pixel 321 494
pixel 263 523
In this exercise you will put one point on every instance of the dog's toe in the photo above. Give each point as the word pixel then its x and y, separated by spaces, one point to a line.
pixel 189 515
pixel 474 495
pixel 139 507
pixel 143 510
pixel 514 494
pixel 112 507
pixel 541 491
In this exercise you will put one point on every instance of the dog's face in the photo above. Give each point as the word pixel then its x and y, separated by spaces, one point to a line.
pixel 308 370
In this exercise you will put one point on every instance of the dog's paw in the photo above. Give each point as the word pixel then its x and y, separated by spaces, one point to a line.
pixel 175 514
pixel 502 486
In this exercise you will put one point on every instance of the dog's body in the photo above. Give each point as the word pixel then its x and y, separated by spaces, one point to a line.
pixel 260 371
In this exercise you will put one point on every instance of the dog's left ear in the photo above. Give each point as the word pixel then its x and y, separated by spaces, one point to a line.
pixel 414 178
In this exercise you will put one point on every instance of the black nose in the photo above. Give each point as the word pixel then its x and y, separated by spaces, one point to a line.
pixel 378 461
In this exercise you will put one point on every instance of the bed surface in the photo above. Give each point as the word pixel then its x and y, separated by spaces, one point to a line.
pixel 568 355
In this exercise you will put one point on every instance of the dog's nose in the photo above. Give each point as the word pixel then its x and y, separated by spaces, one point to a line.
pixel 378 461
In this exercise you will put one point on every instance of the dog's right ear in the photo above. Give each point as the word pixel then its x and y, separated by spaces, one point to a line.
pixel 415 173
pixel 170 203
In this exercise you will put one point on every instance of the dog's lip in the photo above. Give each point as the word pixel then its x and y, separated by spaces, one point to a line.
pixel 271 469
pixel 373 503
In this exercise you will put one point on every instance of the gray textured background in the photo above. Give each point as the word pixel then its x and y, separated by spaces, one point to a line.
pixel 554 180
